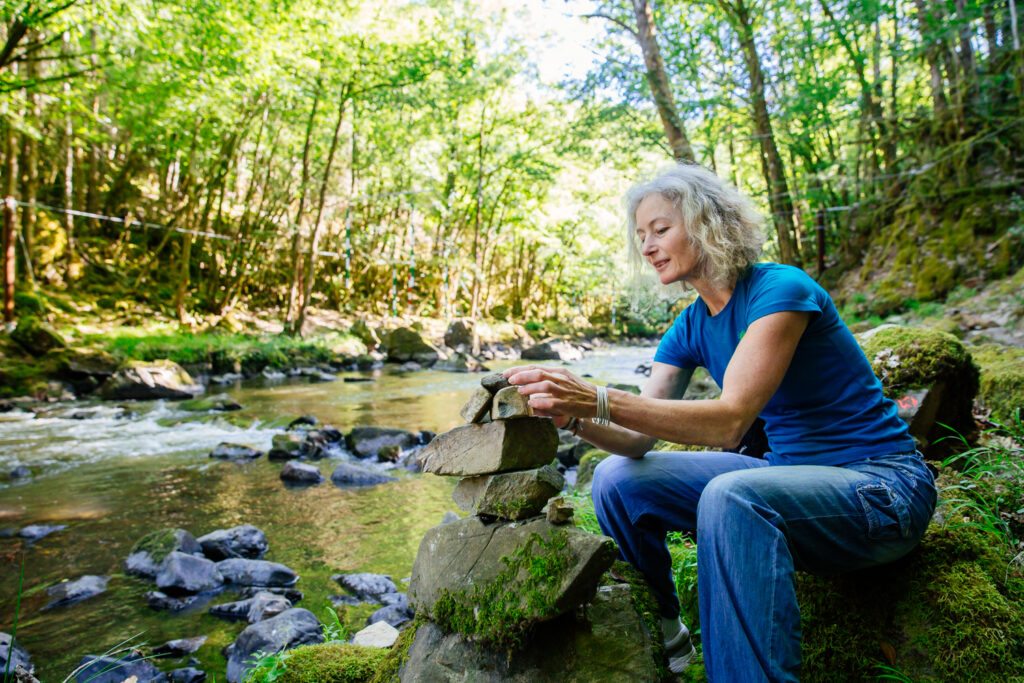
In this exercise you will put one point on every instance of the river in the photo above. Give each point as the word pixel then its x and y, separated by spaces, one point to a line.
pixel 113 478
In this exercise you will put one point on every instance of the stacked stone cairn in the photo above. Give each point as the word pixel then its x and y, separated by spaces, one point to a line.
pixel 495 582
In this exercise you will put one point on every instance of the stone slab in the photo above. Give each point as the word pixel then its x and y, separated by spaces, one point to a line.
pixel 503 446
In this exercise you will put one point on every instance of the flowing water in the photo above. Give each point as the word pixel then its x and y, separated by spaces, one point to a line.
pixel 113 477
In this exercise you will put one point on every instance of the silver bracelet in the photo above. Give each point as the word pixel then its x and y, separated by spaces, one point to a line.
pixel 604 415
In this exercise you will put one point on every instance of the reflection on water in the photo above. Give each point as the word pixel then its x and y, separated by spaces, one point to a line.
pixel 112 479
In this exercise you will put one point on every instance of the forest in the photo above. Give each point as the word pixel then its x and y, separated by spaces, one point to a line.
pixel 404 158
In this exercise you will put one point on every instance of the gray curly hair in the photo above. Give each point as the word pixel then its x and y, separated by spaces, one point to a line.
pixel 722 224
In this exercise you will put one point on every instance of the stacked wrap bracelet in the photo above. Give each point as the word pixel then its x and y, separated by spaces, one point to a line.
pixel 604 413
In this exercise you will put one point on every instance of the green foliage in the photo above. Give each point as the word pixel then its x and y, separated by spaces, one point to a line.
pixel 335 630
pixel 502 611
pixel 26 303
pixel 1002 379
pixel 267 667
pixel 158 544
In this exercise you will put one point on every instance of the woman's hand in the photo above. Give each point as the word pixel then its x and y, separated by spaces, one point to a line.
pixel 554 392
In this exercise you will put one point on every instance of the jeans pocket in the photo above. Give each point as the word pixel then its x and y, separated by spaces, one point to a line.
pixel 886 511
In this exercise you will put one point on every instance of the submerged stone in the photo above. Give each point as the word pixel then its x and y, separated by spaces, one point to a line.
pixel 181 573
pixel 180 647
pixel 70 592
pixel 365 442
pixel 221 402
pixel 244 572
pixel 106 669
pixel 347 474
pixel 502 446
pixel 366 586
pixel 233 451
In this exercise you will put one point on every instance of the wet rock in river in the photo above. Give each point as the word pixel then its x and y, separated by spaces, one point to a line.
pixel 289 629
pixel 105 669
pixel 303 422
pixel 237 610
pixel 234 451
pixel 293 594
pixel 365 442
pixel 163 602
pixel 219 402
pixel 366 586
pixel 256 573
pixel 70 592
pixel 149 551
pixel 300 473
pixel 146 380
pixel 245 541
pixel 187 675
pixel 460 362
pixel 182 574
pixel 35 532
pixel 347 474
pixel 12 654
pixel 179 647
pixel 555 349
pixel 266 606
pixel 405 344
pixel 395 615
pixel 20 472
pixel 286 446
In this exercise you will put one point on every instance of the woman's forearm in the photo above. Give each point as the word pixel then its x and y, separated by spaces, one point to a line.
pixel 713 423
pixel 615 439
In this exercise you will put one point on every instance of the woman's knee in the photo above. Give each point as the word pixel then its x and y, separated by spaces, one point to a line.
pixel 727 494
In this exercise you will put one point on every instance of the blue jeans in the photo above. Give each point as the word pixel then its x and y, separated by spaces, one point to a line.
pixel 755 524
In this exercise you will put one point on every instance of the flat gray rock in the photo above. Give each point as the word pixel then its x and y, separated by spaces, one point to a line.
pixel 182 574
pixel 35 532
pixel 502 446
pixel 478 405
pixel 149 552
pixel 367 587
pixel 179 647
pixel 234 451
pixel 103 669
pixel 70 592
pixel 347 474
pixel 245 541
pixel 13 656
pixel 300 473
pixel 512 496
pixel 256 573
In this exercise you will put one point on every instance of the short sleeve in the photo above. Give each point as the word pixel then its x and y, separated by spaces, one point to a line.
pixel 784 289
pixel 674 348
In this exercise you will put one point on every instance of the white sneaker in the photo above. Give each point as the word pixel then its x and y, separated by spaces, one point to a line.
pixel 678 661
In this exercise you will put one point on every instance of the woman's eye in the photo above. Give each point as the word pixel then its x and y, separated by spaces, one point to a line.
pixel 662 231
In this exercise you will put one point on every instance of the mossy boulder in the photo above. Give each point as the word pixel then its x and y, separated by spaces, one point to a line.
pixel 493 582
pixel 332 663
pixel 145 380
pixel 405 344
pixel 952 610
pixel 929 370
pixel 37 337
pixel 608 640
pixel 149 552
pixel 1002 379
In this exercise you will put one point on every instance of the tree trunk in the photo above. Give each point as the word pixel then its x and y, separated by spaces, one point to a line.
pixel 30 166
pixel 657 79
pixel 928 25
pixel 10 222
pixel 314 242
pixel 69 173
pixel 296 251
pixel 771 161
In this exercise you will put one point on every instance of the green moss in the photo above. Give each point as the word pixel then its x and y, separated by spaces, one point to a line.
pixel 588 463
pixel 1002 379
pixel 158 543
pixel 502 611
pixel 911 358
pixel 398 655
pixel 645 605
pixel 951 610
pixel 332 663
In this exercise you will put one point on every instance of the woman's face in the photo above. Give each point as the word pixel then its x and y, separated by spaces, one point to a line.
pixel 663 240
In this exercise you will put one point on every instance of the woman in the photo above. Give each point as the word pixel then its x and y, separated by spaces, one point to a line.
pixel 842 488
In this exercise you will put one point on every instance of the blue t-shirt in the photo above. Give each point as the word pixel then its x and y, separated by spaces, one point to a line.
pixel 829 408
